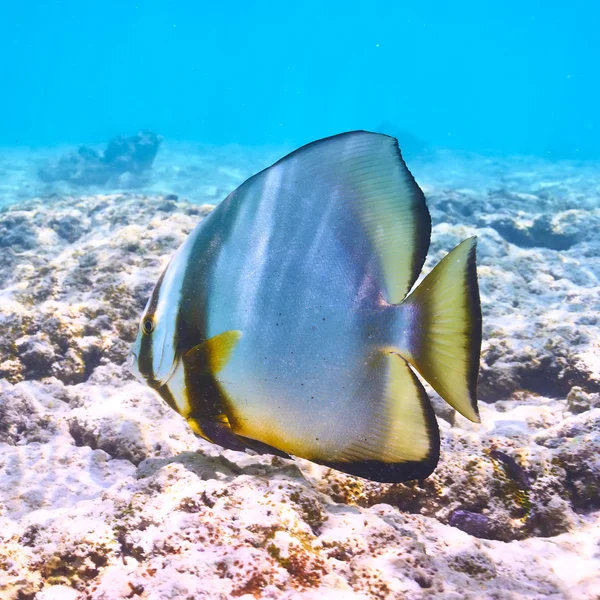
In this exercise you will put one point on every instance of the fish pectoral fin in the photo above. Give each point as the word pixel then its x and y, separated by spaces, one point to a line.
pixel 211 356
pixel 219 432
pixel 402 440
pixel 263 448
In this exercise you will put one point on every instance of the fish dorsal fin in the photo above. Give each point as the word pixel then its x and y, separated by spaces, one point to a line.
pixel 211 356
pixel 367 173
pixel 393 211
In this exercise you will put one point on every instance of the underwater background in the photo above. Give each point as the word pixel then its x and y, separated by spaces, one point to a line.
pixel 123 124
pixel 509 78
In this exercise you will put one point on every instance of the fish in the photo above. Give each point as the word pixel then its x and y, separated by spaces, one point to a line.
pixel 288 322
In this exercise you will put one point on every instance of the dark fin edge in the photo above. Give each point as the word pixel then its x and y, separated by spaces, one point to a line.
pixel 476 323
pixel 422 218
pixel 381 472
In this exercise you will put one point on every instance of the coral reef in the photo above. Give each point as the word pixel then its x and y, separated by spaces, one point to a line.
pixel 106 494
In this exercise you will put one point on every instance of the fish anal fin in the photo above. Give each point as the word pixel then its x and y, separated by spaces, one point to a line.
pixel 211 356
pixel 402 442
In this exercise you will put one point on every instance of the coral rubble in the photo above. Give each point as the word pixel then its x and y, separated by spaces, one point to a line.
pixel 106 494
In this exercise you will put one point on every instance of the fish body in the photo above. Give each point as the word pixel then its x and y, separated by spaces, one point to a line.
pixel 283 324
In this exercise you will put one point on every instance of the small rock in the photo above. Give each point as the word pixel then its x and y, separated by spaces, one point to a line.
pixel 580 401
pixel 540 232
pixel 477 564
pixel 473 523
pixel 68 227
pixel 36 355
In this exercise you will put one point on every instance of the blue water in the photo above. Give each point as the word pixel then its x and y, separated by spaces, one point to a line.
pixel 511 77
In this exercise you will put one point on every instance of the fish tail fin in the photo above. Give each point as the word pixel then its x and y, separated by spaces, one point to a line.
pixel 441 329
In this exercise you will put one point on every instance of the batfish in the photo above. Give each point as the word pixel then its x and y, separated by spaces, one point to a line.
pixel 287 322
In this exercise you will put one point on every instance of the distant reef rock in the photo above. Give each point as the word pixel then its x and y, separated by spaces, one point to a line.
pixel 106 494
pixel 125 160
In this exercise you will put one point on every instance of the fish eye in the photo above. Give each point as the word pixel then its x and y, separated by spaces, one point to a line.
pixel 148 325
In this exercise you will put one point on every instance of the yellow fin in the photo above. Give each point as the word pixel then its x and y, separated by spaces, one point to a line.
pixel 445 318
pixel 412 426
pixel 211 356
pixel 392 210
pixel 402 441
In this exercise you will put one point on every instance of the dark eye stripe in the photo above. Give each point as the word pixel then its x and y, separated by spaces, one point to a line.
pixel 148 325
pixel 146 346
